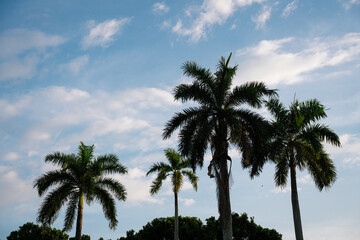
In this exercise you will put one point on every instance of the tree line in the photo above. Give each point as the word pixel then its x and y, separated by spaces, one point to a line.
pixel 222 118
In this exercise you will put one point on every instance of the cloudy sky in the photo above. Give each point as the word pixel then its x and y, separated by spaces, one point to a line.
pixel 102 72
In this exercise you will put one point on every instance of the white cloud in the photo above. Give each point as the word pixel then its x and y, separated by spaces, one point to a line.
pixel 103 33
pixel 21 50
pixel 11 109
pixel 342 228
pixel 272 63
pixel 187 201
pixel 211 12
pixel 61 116
pixel 11 156
pixel 282 190
pixel 349 151
pixel 262 17
pixel 18 68
pixel 349 3
pixel 160 8
pixel 137 187
pixel 76 65
pixel 289 9
pixel 16 41
pixel 305 179
pixel 13 188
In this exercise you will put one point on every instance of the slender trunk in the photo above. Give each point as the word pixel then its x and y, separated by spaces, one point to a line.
pixel 295 204
pixel 176 220
pixel 79 217
pixel 222 181
pixel 224 202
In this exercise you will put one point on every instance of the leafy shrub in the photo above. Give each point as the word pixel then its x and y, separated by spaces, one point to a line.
pixel 31 231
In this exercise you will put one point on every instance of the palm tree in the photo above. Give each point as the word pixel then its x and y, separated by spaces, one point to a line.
pixel 80 177
pixel 297 143
pixel 177 169
pixel 219 122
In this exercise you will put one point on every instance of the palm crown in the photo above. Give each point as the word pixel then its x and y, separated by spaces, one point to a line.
pixel 219 121
pixel 80 176
pixel 297 143
pixel 177 168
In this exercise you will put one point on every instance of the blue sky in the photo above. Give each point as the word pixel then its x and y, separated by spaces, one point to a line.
pixel 102 72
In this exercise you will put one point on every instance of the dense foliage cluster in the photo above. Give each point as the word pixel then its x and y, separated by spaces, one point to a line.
pixel 30 231
pixel 193 228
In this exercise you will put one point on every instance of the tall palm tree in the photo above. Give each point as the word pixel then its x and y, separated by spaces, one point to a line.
pixel 177 169
pixel 219 121
pixel 297 144
pixel 80 177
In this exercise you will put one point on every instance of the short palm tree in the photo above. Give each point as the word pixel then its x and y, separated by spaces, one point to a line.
pixel 177 169
pixel 220 120
pixel 297 144
pixel 80 177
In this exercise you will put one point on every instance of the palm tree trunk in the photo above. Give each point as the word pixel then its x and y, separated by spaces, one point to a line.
pixel 79 217
pixel 176 220
pixel 295 204
pixel 224 201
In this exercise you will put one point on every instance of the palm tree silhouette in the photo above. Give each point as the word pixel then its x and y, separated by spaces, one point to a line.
pixel 80 177
pixel 297 143
pixel 177 169
pixel 217 122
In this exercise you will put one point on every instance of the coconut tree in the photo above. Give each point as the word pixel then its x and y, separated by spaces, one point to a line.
pixel 297 143
pixel 222 118
pixel 81 177
pixel 177 168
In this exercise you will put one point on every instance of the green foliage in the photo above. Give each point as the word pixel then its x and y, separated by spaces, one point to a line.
pixel 83 237
pixel 80 177
pixel 31 231
pixel 193 228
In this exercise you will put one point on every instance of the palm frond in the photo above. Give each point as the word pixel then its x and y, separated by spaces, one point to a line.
pixel 179 119
pixel 60 159
pixel 281 171
pixel 320 132
pixel 114 186
pixel 157 183
pixel 251 93
pixel 194 92
pixel 192 178
pixel 312 110
pixel 108 205
pixel 51 205
pixel 159 167
pixel 50 179
pixel 177 181
pixel 201 75
pixel 71 211
pixel 109 164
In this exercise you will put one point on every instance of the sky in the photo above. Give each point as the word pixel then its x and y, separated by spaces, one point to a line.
pixel 102 72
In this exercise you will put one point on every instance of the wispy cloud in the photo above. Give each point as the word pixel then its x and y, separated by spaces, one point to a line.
pixel 102 34
pixel 263 16
pixel 349 151
pixel 21 50
pixel 11 156
pixel 282 190
pixel 211 12
pixel 349 3
pixel 76 65
pixel 289 9
pixel 160 8
pixel 55 110
pixel 271 61
pixel 17 41
pixel 14 189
